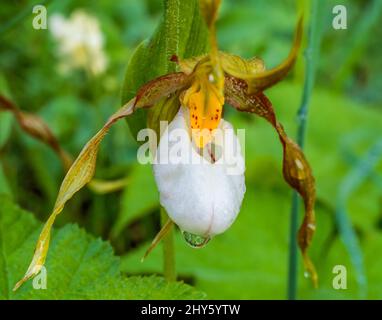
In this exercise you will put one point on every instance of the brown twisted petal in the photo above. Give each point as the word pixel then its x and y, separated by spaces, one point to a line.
pixel 296 170
pixel 37 128
pixel 253 72
pixel 79 174
pixel 82 170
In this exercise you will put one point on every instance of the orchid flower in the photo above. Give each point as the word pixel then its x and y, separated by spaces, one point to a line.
pixel 202 199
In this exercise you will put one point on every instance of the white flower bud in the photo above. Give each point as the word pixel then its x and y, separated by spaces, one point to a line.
pixel 201 196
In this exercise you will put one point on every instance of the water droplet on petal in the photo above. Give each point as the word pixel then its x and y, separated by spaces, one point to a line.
pixel 195 240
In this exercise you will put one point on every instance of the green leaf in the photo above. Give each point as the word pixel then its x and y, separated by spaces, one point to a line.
pixel 148 288
pixel 181 32
pixel 140 197
pixel 78 267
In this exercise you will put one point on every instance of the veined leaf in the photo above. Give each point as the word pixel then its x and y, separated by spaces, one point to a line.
pixel 80 266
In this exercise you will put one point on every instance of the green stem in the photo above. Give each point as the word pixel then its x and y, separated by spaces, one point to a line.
pixel 311 55
pixel 293 267
pixel 168 250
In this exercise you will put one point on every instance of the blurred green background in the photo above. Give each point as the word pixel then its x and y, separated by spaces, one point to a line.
pixel 249 261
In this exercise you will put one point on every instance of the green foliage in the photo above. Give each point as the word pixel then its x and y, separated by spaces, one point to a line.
pixel 79 266
pixel 249 261
pixel 182 32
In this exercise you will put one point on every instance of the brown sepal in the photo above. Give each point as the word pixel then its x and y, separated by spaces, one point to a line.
pixel 154 90
pixel 296 170
pixel 37 128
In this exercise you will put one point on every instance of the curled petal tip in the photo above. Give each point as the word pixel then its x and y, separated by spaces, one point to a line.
pixel 17 285
pixel 33 270
pixel 253 72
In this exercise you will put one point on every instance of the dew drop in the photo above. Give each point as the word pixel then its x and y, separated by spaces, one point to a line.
pixel 194 240
pixel 306 274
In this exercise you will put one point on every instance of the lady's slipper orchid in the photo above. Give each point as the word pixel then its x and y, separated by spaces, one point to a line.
pixel 202 199
pixel 203 193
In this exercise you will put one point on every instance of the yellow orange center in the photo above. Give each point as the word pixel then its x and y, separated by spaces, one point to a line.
pixel 205 104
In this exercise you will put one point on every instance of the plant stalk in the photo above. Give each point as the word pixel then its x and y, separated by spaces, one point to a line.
pixel 311 55
pixel 169 270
